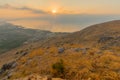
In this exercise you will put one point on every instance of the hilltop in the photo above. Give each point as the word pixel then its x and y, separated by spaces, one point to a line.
pixel 104 35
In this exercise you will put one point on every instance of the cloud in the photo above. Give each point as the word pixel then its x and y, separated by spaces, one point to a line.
pixel 32 18
pixel 8 6
pixel 33 10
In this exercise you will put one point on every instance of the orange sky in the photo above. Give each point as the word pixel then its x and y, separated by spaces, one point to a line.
pixel 20 11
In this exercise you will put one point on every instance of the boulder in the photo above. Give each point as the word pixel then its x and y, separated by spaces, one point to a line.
pixel 24 53
pixel 61 50
pixel 1 71
pixel 8 66
pixel 83 50
pixel 105 39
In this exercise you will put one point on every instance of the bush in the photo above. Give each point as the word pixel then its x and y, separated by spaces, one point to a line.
pixel 58 69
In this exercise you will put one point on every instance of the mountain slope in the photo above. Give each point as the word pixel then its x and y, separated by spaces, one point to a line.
pixel 76 56
pixel 93 34
pixel 12 36
pixel 100 35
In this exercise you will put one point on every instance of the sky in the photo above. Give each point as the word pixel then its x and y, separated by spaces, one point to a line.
pixel 58 15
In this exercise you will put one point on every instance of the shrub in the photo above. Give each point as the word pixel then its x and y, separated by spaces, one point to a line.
pixel 58 69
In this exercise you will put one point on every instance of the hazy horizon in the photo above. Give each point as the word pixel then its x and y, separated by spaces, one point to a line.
pixel 59 15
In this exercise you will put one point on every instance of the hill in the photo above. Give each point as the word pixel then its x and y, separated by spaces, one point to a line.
pixel 90 54
pixel 13 36
pixel 104 35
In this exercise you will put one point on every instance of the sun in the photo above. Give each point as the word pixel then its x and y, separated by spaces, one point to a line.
pixel 54 11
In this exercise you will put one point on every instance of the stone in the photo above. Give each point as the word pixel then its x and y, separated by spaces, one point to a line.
pixel 61 50
pixel 105 39
pixel 24 53
pixel 8 66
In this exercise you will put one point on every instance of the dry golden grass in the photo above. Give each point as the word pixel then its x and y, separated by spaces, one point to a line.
pixel 77 65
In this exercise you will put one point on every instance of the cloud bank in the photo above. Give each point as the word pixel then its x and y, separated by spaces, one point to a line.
pixel 8 6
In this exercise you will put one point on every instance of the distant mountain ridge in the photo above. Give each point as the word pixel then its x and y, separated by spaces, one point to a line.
pixel 12 36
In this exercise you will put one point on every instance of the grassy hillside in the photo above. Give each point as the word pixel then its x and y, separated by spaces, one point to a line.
pixel 90 54
pixel 104 35
pixel 74 63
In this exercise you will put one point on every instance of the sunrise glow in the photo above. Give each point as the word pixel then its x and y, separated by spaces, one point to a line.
pixel 54 11
pixel 40 13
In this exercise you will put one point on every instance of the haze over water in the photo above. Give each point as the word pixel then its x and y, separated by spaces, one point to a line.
pixel 58 15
